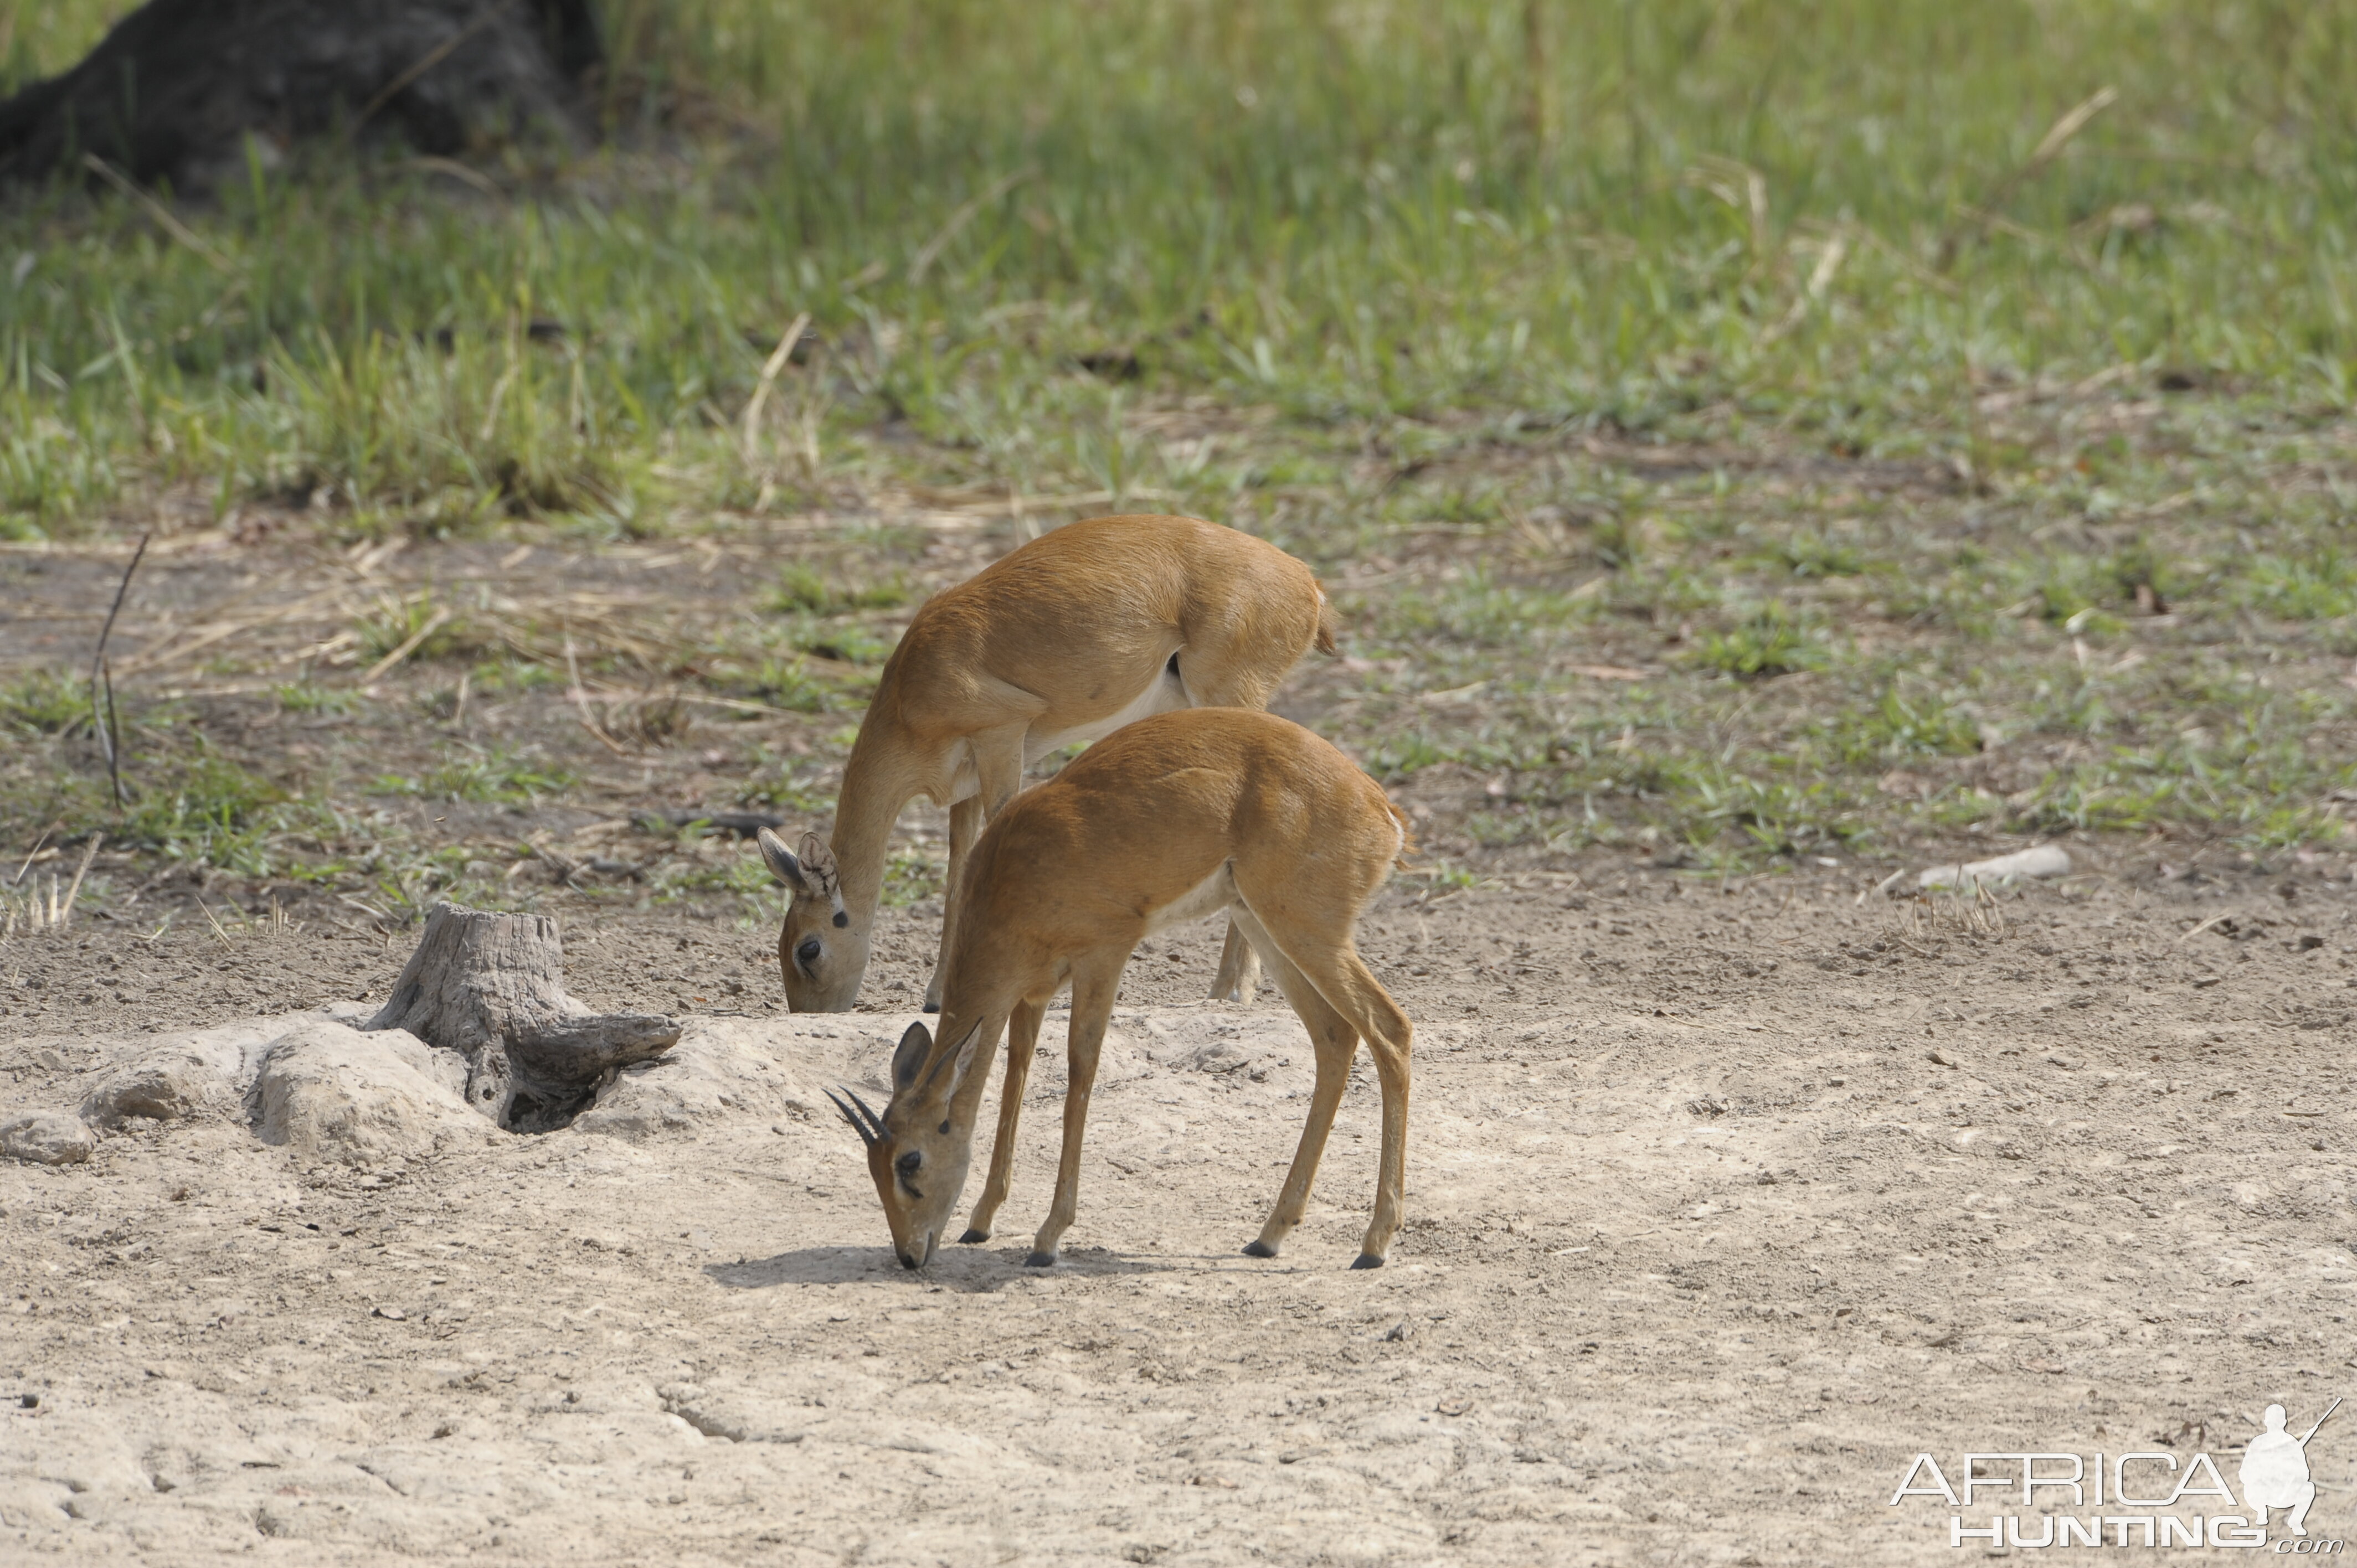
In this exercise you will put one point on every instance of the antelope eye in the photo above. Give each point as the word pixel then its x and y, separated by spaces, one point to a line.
pixel 908 1163
pixel 807 953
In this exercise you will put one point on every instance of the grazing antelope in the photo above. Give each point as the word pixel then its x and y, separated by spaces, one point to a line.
pixel 1172 818
pixel 1080 631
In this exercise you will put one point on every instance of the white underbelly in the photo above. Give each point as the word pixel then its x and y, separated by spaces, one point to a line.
pixel 1208 896
pixel 1164 695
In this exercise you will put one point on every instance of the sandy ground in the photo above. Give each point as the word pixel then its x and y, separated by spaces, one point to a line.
pixel 1725 1202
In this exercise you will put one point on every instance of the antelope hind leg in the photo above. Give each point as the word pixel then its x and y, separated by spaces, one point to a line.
pixel 1240 963
pixel 1022 1040
pixel 1362 998
pixel 1335 1043
pixel 1334 971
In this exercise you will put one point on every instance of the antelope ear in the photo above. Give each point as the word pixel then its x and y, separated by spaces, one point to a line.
pixel 915 1047
pixel 781 861
pixel 964 1059
pixel 818 857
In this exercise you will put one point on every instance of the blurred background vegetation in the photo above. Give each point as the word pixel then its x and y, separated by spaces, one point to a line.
pixel 1826 214
pixel 1749 429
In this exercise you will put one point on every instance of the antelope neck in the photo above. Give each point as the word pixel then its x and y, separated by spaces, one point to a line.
pixel 864 813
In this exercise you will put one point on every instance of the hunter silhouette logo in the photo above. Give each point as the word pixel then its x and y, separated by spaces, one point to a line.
pixel 2275 1471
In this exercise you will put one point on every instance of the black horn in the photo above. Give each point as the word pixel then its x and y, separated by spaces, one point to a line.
pixel 873 1120
pixel 870 1130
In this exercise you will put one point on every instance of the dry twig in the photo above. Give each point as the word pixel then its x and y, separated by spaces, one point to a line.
pixel 581 701
pixel 155 209
pixel 103 721
pixel 409 645
pixel 89 853
pixel 2050 147
pixel 770 370
pixel 2213 921
pixel 960 219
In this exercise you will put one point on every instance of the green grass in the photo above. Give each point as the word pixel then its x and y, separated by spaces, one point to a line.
pixel 184 800
pixel 1335 215
pixel 207 809
pixel 1768 642
pixel 1902 727
pixel 310 697
pixel 415 627
pixel 780 784
pixel 792 684
pixel 43 702
pixel 497 777
pixel 2318 586
pixel 841 642
pixel 800 590
pixel 1809 555
pixel 910 876
pixel 1882 483
pixel 1475 609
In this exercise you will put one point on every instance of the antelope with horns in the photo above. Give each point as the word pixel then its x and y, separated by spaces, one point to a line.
pixel 1079 632
pixel 1174 818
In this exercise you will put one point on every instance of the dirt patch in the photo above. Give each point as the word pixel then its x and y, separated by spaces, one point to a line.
pixel 1725 1201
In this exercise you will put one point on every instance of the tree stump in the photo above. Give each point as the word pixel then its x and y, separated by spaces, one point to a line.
pixel 491 987
pixel 173 92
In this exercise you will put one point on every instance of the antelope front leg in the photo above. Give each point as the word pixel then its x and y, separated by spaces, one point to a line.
pixel 1091 1006
pixel 1239 976
pixel 1022 1039
pixel 998 763
pixel 965 826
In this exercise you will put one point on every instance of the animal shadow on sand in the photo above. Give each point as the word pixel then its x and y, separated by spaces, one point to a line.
pixel 964 1270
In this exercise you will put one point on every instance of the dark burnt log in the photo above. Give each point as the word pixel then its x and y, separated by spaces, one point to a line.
pixel 173 92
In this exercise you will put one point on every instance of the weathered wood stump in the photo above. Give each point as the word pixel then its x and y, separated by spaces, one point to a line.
pixel 491 987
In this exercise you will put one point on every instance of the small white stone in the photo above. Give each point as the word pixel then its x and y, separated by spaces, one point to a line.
pixel 2046 860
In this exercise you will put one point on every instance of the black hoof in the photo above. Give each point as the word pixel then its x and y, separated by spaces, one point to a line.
pixel 932 1007
pixel 972 1236
pixel 1040 1261
pixel 1259 1250
pixel 1366 1261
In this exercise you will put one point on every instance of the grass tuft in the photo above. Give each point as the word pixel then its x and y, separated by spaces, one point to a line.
pixel 1768 642
pixel 802 591
pixel 44 702
pixel 495 778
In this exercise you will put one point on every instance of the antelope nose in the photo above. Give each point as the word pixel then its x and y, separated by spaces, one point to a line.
pixel 908 1260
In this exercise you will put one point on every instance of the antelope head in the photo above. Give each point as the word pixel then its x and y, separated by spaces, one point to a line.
pixel 918 1149
pixel 821 951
